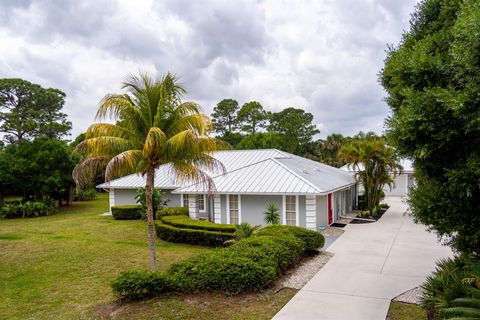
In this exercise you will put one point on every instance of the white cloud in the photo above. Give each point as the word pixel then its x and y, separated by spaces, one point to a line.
pixel 323 56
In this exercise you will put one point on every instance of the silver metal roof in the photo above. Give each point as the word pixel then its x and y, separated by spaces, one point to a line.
pixel 264 171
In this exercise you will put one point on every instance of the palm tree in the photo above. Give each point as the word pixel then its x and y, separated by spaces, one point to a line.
pixel 374 162
pixel 153 127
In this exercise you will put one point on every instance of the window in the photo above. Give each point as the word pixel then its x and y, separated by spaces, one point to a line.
pixel 201 202
pixel 234 209
pixel 291 210
pixel 185 200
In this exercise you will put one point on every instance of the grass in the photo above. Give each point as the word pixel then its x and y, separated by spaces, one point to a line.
pixel 60 267
pixel 405 311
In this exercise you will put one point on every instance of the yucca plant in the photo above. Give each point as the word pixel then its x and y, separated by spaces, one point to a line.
pixel 153 127
pixel 272 214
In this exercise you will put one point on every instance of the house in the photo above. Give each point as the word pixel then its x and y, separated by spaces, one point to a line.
pixel 308 193
pixel 401 182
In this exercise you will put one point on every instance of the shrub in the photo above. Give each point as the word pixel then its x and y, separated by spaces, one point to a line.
pixel 245 230
pixel 158 200
pixel 280 252
pixel 186 222
pixel 133 285
pixel 194 236
pixel 222 270
pixel 29 209
pixel 126 212
pixel 311 239
pixel 85 194
pixel 272 214
pixel 172 211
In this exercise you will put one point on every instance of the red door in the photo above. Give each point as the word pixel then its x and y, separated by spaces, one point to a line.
pixel 330 210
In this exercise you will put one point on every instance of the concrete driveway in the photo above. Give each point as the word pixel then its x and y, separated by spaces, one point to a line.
pixel 373 263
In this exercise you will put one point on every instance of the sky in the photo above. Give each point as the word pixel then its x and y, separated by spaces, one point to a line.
pixel 323 56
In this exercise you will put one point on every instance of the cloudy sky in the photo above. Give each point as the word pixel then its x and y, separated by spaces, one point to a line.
pixel 320 55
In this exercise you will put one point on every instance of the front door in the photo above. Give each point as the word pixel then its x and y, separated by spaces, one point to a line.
pixel 330 209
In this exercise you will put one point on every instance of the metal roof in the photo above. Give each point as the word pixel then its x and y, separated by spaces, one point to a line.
pixel 264 171
pixel 406 164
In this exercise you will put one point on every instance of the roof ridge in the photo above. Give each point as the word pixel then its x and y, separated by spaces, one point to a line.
pixel 297 175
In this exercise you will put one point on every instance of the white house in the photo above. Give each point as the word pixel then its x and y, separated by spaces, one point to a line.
pixel 307 193
pixel 401 183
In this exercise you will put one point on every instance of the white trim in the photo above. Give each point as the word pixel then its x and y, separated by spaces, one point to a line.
pixel 217 208
pixel 228 209
pixel 311 212
pixel 192 206
pixel 297 213
pixel 284 210
pixel 111 198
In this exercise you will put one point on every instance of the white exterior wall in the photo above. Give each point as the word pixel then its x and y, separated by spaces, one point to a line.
pixel 401 185
pixel 311 212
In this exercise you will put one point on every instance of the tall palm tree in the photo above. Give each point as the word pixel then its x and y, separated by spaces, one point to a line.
pixel 153 127
pixel 376 164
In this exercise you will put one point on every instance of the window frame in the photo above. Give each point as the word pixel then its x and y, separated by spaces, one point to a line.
pixel 297 209
pixel 239 205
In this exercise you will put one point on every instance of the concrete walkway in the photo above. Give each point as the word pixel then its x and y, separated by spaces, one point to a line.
pixel 373 263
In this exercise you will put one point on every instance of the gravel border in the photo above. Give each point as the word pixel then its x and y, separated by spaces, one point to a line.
pixel 297 277
pixel 411 296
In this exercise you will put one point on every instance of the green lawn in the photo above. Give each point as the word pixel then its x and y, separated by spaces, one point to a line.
pixel 60 267
pixel 405 311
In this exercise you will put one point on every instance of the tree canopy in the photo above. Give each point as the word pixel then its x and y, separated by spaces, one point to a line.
pixel 224 116
pixel 251 117
pixel 154 127
pixel 433 83
pixel 29 111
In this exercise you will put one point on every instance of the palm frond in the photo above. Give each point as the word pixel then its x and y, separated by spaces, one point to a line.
pixel 84 172
pixel 104 146
pixel 124 163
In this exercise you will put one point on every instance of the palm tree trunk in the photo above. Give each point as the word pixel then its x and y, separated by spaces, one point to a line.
pixel 151 227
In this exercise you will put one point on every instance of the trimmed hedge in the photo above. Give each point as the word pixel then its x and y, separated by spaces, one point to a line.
pixel 194 236
pixel 126 212
pixel 250 264
pixel 311 239
pixel 186 222
pixel 172 211
pixel 139 284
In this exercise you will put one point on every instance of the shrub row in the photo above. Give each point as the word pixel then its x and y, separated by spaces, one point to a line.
pixel 249 265
pixel 126 212
pixel 172 211
pixel 194 236
pixel 29 209
pixel 186 222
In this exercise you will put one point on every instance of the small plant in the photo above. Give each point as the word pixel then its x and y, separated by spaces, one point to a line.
pixel 272 214
pixel 244 230
pixel 158 201
pixel 384 206
pixel 364 214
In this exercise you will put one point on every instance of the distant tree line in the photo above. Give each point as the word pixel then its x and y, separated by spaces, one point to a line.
pixel 292 129
pixel 35 161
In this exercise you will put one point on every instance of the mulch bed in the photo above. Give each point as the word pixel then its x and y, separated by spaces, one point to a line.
pixel 370 219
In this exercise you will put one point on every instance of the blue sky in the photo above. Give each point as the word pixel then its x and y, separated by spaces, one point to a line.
pixel 321 56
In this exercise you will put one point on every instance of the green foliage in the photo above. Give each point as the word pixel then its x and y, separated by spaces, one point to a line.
pixel 172 211
pixel 29 111
pixel 37 169
pixel 137 284
pixel 224 116
pixel 295 126
pixel 28 209
pixel 85 194
pixel 262 140
pixel 312 239
pixel 244 230
pixel 195 236
pixel 453 290
pixel 158 200
pixel 433 81
pixel 375 162
pixel 251 117
pixel 221 270
pixel 127 212
pixel 185 222
pixel 250 264
pixel 272 214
